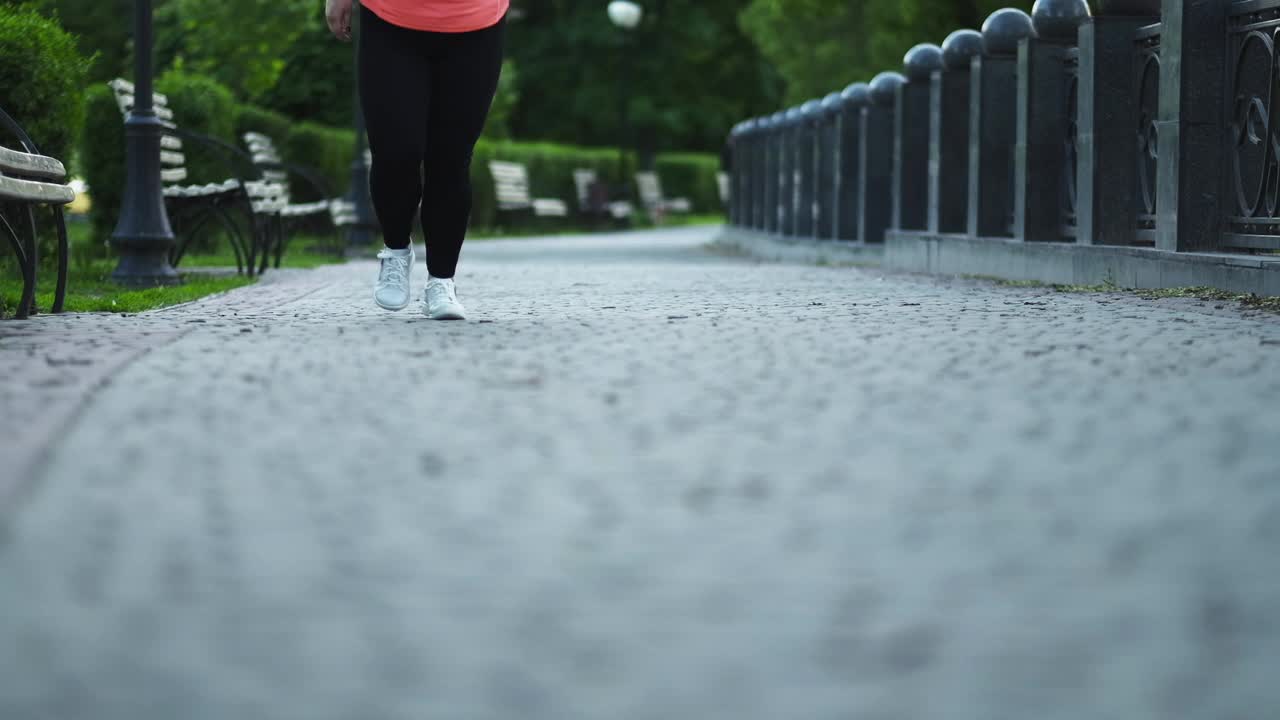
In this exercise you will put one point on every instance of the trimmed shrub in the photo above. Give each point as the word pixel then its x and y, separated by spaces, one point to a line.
pixel 327 150
pixel 693 176
pixel 102 159
pixel 202 104
pixel 251 118
pixel 42 80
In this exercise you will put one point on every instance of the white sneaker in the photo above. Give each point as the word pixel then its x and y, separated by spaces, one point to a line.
pixel 441 300
pixel 392 290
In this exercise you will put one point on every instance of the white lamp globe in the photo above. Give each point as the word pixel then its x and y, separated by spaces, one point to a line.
pixel 625 14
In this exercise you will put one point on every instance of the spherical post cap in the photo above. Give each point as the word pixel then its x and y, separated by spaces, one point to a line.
pixel 884 87
pixel 1059 20
pixel 959 47
pixel 857 95
pixel 1004 29
pixel 811 110
pixel 832 103
pixel 921 60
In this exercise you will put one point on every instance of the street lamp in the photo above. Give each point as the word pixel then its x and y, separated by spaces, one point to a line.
pixel 143 235
pixel 626 15
pixel 365 223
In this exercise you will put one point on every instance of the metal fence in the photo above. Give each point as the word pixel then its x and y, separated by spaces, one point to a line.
pixel 1067 126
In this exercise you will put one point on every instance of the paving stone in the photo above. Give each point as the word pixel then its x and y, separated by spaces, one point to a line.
pixel 650 481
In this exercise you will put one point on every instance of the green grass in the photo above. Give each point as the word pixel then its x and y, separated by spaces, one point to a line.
pixel 295 258
pixel 304 251
pixel 91 290
pixel 1208 294
pixel 1246 301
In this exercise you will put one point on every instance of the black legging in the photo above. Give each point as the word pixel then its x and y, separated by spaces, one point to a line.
pixel 425 97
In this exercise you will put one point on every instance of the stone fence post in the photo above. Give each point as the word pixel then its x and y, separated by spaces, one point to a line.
pixel 826 159
pixel 805 177
pixel 911 138
pixel 1046 126
pixel 992 119
pixel 855 98
pixel 772 175
pixel 1191 128
pixel 949 134
pixel 875 173
pixel 1108 122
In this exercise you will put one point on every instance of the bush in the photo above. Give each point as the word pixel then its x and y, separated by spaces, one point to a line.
pixel 327 150
pixel 251 118
pixel 693 176
pixel 102 159
pixel 42 80
pixel 202 104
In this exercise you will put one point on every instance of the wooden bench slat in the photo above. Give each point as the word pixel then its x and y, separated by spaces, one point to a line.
pixel 28 165
pixel 169 157
pixel 175 175
pixel 35 191
pixel 124 87
pixel 169 142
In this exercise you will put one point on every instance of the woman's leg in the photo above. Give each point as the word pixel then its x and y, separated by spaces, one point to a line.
pixel 464 77
pixel 395 89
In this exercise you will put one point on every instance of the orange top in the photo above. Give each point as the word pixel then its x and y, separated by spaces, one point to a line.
pixel 444 16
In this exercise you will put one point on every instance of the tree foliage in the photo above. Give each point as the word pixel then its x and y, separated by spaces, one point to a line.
pixel 823 45
pixel 241 43
pixel 678 81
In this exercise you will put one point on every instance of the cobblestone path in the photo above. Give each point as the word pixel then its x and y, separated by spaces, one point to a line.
pixel 646 481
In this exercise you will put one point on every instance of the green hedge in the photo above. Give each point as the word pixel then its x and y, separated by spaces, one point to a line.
pixel 327 150
pixel 551 169
pixel 42 80
pixel 201 104
pixel 102 159
pixel 251 118
pixel 693 176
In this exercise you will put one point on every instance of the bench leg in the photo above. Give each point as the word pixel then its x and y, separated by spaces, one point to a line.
pixel 33 258
pixel 27 267
pixel 60 294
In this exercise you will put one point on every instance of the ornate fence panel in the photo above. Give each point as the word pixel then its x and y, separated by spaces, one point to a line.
pixel 1252 199
pixel 1070 143
pixel 1147 82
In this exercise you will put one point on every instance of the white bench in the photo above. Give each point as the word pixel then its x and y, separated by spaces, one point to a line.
pixel 584 179
pixel 511 186
pixel 650 187
pixel 194 206
pixel 28 180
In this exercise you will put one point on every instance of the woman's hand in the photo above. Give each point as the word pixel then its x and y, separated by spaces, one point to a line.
pixel 338 14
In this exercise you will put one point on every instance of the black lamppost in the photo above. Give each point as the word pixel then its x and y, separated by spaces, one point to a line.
pixel 143 235
pixel 365 226
pixel 626 15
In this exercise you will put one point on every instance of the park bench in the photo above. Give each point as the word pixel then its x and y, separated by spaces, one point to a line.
pixel 650 187
pixel 330 212
pixel 29 180
pixel 511 187
pixel 593 197
pixel 244 195
pixel 342 208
